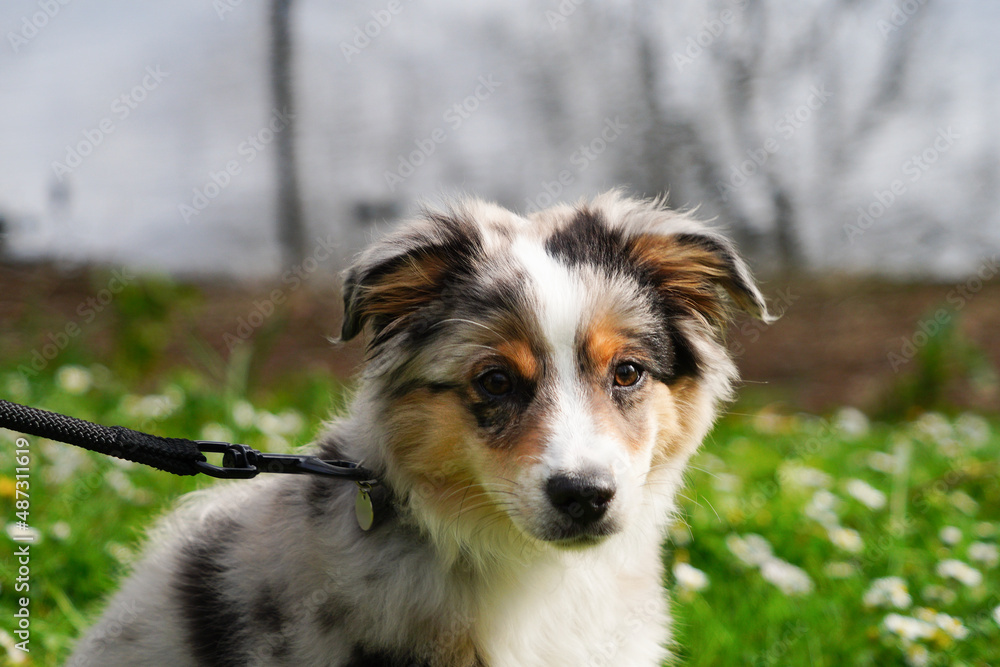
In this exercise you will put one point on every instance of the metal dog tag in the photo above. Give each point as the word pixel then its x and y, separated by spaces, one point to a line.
pixel 363 509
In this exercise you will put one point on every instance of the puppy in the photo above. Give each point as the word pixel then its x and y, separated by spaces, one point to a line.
pixel 534 388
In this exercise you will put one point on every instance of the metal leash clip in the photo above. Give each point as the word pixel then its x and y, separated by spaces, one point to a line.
pixel 244 462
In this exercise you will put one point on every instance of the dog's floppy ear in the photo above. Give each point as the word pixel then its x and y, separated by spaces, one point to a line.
pixel 690 266
pixel 397 277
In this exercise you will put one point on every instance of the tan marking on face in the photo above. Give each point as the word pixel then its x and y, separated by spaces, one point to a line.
pixel 522 360
pixel 603 343
pixel 684 415
pixel 434 434
pixel 525 449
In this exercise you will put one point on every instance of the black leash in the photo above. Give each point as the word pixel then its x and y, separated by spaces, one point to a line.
pixel 174 455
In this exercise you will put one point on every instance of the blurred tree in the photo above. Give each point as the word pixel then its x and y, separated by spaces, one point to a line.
pixel 715 96
pixel 291 224
pixel 672 143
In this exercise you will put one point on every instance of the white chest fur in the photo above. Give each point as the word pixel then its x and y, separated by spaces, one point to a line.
pixel 588 608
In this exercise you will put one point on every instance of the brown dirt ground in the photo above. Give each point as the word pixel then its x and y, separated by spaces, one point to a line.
pixel 832 347
pixel 840 339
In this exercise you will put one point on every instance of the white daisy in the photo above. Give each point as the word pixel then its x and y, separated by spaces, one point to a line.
pixel 917 655
pixel 276 443
pixel 973 428
pixel 23 533
pixel 725 482
pixel 985 553
pixel 290 421
pixel 66 462
pixel 14 655
pixel 60 530
pixel 934 427
pixel 216 432
pixel 790 579
pixel 847 539
pixel 74 379
pixel 959 571
pixel 950 535
pixel 866 494
pixel 822 508
pixel 753 549
pixel 267 422
pixel 851 422
pixel 152 406
pixel 888 592
pixel 120 482
pixel 908 628
pixel 243 414
pixel 803 476
pixel 680 533
pixel 951 626
pixel 689 577
pixel 17 386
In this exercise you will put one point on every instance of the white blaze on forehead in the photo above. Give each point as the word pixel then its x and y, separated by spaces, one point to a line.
pixel 558 292
pixel 574 443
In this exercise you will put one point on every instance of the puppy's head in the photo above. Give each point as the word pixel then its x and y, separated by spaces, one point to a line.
pixel 549 374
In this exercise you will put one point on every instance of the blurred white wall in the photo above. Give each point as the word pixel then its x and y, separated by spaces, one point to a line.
pixel 871 129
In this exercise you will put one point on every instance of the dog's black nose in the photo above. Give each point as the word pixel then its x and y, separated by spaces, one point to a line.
pixel 584 499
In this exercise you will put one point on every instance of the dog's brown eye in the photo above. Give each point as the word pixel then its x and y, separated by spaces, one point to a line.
pixel 627 374
pixel 496 384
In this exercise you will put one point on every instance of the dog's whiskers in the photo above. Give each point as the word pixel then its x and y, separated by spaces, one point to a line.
pixel 695 501
pixel 700 469
pixel 468 321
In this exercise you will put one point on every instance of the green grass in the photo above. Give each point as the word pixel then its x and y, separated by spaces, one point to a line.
pixel 744 482
pixel 91 513
pixel 752 477
pixel 92 510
